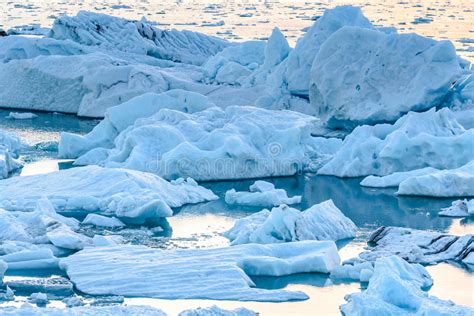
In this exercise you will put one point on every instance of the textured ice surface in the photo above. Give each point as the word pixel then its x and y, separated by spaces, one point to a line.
pixel 236 143
pixel 216 311
pixel 419 246
pixel 219 273
pixel 445 183
pixel 322 221
pixel 114 310
pixel 10 146
pixel 394 179
pixel 397 288
pixel 363 76
pixel 261 193
pixel 127 194
pixel 416 140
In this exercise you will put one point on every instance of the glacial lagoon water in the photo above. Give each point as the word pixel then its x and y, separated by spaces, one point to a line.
pixel 202 225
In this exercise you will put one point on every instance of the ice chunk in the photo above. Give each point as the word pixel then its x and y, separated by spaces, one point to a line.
pixel 113 310
pixel 120 117
pixel 10 147
pixel 396 288
pixel 3 269
pixel 261 193
pixel 394 179
pixel 446 183
pixel 459 208
pixel 235 143
pixel 415 141
pixel 419 246
pixel 39 299
pixel 102 221
pixel 21 116
pixel 216 311
pixel 55 286
pixel 322 221
pixel 360 271
pixel 127 194
pixel 357 77
pixel 218 273
pixel 107 241
pixel 137 37
pixel 31 260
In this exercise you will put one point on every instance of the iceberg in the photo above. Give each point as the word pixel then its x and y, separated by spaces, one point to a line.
pixel 130 195
pixel 322 221
pixel 113 310
pixel 418 246
pixel 10 147
pixel 445 183
pixel 235 143
pixel 120 117
pixel 359 271
pixel 364 76
pixel 459 208
pixel 102 221
pixel 137 37
pixel 394 179
pixel 261 193
pixel 397 288
pixel 417 140
pixel 21 116
pixel 216 311
pixel 216 273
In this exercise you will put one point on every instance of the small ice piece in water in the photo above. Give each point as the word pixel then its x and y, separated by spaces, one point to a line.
pixel 261 193
pixel 397 288
pixel 216 311
pixel 21 116
pixel 215 273
pixel 361 271
pixel 459 208
pixel 102 221
pixel 73 301
pixel 323 221
pixel 39 298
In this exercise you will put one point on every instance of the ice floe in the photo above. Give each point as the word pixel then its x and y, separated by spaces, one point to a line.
pixel 216 311
pixel 218 273
pixel 235 143
pixel 127 194
pixel 459 208
pixel 21 116
pixel 417 140
pixel 444 183
pixel 102 221
pixel 397 288
pixel 420 246
pixel 322 221
pixel 113 310
pixel 262 193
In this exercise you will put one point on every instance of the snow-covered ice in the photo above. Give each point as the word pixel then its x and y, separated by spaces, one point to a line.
pixel 363 76
pixel 127 194
pixel 262 193
pixel 217 273
pixel 459 208
pixel 236 143
pixel 444 183
pixel 323 221
pixel 397 288
pixel 426 247
pixel 417 140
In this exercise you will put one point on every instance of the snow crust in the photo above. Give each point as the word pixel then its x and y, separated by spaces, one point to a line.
pixel 397 288
pixel 417 140
pixel 261 193
pixel 130 195
pixel 218 273
pixel 322 221
pixel 213 144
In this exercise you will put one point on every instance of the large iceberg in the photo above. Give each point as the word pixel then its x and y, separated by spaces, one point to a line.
pixel 10 147
pixel 418 246
pixel 261 193
pixel 137 37
pixel 218 273
pixel 397 288
pixel 417 140
pixel 322 221
pixel 235 143
pixel 127 194
pixel 445 183
pixel 363 76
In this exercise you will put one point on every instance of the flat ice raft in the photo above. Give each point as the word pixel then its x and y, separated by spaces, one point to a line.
pixel 219 273
pixel 127 194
